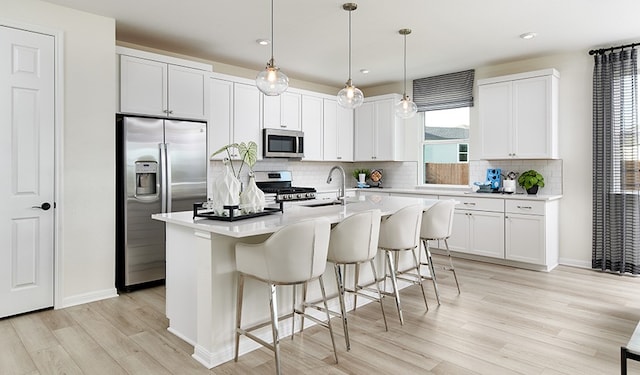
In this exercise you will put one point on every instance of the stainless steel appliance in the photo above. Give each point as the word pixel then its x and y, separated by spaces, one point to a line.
pixel 161 167
pixel 280 143
pixel 278 183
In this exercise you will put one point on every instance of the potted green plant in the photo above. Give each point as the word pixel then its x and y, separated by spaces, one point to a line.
pixel 531 180
pixel 358 172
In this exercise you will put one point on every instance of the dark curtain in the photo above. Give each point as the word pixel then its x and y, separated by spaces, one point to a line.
pixel 616 165
pixel 447 91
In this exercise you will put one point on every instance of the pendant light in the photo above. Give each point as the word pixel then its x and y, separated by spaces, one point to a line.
pixel 271 81
pixel 405 108
pixel 350 97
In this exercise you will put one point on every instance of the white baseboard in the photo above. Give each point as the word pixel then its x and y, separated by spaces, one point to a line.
pixel 79 299
pixel 575 262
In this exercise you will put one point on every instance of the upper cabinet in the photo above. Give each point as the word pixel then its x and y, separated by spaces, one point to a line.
pixel 518 116
pixel 235 113
pixel 312 112
pixel 163 86
pixel 282 111
pixel 378 132
pixel 338 131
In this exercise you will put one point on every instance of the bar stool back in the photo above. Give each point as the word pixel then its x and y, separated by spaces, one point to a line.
pixel 295 254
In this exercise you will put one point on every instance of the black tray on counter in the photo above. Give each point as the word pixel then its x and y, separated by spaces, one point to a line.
pixel 199 211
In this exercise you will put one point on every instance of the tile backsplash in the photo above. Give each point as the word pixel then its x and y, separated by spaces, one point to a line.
pixel 402 175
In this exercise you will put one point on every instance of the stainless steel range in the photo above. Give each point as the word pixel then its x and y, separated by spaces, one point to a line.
pixel 279 184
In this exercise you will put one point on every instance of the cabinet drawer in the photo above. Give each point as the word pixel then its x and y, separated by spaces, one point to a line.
pixel 525 207
pixel 480 204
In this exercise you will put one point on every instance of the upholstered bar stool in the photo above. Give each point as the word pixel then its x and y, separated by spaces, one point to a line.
pixel 293 255
pixel 401 232
pixel 437 224
pixel 355 241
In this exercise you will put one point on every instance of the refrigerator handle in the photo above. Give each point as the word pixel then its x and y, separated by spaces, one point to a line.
pixel 163 177
pixel 167 157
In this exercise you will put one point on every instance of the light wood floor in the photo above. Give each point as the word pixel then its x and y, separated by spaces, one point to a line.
pixel 506 321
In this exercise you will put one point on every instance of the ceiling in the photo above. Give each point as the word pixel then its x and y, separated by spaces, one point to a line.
pixel 311 36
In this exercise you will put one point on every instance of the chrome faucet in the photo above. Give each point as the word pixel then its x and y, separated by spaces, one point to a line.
pixel 341 197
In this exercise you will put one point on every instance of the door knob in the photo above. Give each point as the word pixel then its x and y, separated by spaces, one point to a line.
pixel 45 206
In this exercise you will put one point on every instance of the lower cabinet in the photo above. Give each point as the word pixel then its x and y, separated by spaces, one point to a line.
pixel 478 227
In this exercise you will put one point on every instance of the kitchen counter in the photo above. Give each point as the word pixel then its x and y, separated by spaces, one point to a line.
pixel 457 193
pixel 201 277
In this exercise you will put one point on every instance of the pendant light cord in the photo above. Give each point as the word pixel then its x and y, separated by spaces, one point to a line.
pixel 405 65
pixel 272 43
pixel 350 44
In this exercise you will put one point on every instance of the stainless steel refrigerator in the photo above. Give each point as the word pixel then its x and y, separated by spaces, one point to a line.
pixel 161 167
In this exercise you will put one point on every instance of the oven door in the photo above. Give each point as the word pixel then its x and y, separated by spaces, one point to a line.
pixel 283 143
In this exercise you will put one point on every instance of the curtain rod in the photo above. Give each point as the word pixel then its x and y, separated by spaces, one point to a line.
pixel 601 51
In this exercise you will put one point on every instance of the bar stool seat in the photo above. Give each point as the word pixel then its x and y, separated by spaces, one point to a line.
pixel 293 255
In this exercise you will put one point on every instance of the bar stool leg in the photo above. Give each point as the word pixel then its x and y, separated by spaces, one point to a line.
pixel 432 269
pixel 375 277
pixel 304 300
pixel 343 312
pixel 417 264
pixel 326 309
pixel 452 269
pixel 356 277
pixel 293 310
pixel 394 284
pixel 238 312
pixel 273 304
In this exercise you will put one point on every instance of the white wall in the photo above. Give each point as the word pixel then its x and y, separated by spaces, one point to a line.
pixel 86 200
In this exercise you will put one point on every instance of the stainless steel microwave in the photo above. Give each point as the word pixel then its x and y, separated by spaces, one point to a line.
pixel 279 143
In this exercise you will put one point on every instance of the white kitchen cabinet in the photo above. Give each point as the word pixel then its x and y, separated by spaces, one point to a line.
pixel 478 227
pixel 531 232
pixel 518 116
pixel 337 132
pixel 378 132
pixel 235 114
pixel 282 111
pixel 312 112
pixel 151 84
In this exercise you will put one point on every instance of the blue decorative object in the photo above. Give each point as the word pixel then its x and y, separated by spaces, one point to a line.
pixel 494 177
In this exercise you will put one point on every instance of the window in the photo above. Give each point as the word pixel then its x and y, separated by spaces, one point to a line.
pixel 445 147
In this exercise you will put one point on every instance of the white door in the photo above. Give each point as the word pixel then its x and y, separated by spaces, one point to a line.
pixel 27 163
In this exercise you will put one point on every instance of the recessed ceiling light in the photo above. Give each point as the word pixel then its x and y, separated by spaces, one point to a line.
pixel 528 36
pixel 364 71
pixel 263 42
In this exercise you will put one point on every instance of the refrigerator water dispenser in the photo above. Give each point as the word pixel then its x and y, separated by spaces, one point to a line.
pixel 146 177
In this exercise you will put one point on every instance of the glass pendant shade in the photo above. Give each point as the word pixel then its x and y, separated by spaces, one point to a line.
pixel 405 108
pixel 350 97
pixel 271 81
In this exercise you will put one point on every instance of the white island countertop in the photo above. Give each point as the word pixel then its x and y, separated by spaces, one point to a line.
pixel 292 214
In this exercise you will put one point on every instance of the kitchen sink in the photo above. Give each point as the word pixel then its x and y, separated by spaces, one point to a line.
pixel 325 204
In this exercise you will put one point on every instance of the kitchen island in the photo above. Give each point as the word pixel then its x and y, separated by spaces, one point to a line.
pixel 201 277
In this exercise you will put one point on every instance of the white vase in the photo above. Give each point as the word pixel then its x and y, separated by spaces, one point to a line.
pixel 226 191
pixel 362 178
pixel 252 199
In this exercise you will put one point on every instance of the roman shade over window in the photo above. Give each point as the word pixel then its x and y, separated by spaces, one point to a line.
pixel 447 91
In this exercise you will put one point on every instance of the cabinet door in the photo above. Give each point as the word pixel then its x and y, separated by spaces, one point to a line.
pixel 385 136
pixel 143 86
pixel 290 115
pixel 312 127
pixel 246 114
pixel 364 145
pixel 220 119
pixel 330 130
pixel 187 93
pixel 529 227
pixel 459 240
pixel 532 118
pixel 495 116
pixel 487 234
pixel 344 119
pixel 271 111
